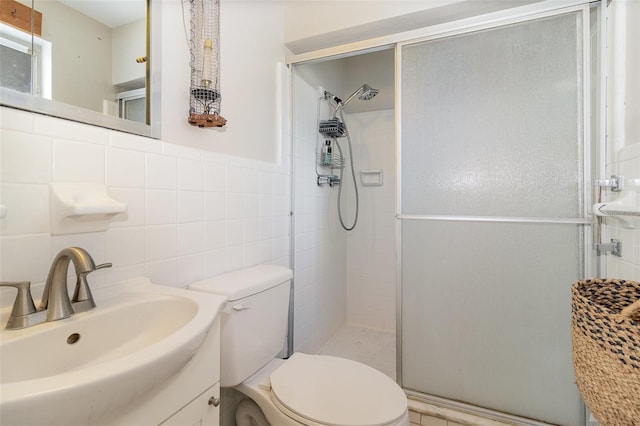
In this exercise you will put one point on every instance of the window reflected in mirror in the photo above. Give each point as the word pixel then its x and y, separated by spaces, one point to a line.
pixel 15 66
pixel 84 54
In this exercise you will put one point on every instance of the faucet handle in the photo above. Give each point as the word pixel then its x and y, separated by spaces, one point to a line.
pixel 103 266
pixel 23 304
pixel 82 298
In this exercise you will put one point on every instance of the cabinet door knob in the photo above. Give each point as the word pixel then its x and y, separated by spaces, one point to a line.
pixel 214 401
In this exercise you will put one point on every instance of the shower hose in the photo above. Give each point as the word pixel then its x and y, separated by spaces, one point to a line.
pixel 353 176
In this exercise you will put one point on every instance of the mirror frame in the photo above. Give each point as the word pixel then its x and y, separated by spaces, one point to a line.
pixel 13 99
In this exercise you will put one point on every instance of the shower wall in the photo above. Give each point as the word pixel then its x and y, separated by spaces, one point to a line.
pixel 371 255
pixel 320 244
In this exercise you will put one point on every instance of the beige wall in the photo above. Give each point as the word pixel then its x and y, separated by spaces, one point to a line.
pixel 81 55
pixel 128 43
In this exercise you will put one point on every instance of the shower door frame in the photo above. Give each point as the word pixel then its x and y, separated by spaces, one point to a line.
pixel 593 266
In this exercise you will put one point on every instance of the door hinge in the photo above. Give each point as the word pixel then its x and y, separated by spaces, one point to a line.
pixel 615 183
pixel 614 247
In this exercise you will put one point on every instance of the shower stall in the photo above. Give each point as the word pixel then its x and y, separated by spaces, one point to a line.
pixel 335 269
pixel 487 137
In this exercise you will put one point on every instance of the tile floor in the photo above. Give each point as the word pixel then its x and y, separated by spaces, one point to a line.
pixel 378 350
pixel 371 347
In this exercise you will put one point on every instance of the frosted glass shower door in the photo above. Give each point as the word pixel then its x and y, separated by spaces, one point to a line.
pixel 492 215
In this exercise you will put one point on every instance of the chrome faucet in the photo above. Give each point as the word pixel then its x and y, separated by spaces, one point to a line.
pixel 55 298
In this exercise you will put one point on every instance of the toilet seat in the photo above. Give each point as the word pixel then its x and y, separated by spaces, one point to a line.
pixel 326 390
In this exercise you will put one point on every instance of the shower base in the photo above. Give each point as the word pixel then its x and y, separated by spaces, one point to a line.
pixel 374 348
pixel 377 349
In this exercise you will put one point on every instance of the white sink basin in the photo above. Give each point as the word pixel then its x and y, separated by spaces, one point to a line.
pixel 83 368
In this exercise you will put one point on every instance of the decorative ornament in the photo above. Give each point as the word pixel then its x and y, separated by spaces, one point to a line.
pixel 205 98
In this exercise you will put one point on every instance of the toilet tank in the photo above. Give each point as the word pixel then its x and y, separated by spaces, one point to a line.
pixel 254 320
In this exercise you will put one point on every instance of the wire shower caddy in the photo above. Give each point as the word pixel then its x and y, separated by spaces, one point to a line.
pixel 328 163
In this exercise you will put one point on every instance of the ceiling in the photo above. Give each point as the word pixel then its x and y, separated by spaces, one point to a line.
pixel 112 13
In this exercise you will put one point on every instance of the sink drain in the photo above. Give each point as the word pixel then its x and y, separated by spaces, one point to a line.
pixel 73 338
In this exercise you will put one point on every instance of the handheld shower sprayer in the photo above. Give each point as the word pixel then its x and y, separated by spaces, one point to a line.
pixel 337 128
pixel 334 101
pixel 332 98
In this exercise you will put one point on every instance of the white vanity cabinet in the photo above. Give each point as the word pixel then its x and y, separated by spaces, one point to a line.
pixel 210 403
pixel 184 399
pixel 204 410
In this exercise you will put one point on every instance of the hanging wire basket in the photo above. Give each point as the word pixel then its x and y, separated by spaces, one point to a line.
pixel 333 128
pixel 204 40
pixel 334 161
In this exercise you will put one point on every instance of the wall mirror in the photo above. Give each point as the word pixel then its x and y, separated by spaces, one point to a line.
pixel 91 61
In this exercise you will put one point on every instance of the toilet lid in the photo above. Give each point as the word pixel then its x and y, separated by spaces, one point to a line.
pixel 336 391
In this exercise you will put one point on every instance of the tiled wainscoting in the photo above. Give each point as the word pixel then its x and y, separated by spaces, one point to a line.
pixel 191 214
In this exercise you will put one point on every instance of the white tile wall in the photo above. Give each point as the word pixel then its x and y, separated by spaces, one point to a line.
pixel 190 206
pixel 161 207
pixel 69 130
pixel 135 200
pixel 27 158
pixel 320 243
pixel 623 133
pixel 125 168
pixel 75 161
pixel 190 175
pixel 31 209
pixel 371 257
pixel 191 214
pixel 626 162
pixel 161 172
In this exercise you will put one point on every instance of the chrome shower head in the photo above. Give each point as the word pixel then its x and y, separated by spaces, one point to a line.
pixel 368 92
pixel 364 93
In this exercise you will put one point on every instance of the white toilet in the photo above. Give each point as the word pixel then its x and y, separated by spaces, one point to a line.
pixel 304 389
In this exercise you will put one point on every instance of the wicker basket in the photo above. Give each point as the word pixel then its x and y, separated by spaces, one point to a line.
pixel 605 331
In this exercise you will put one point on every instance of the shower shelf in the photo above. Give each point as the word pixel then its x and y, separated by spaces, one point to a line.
pixel 337 161
pixel 333 128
